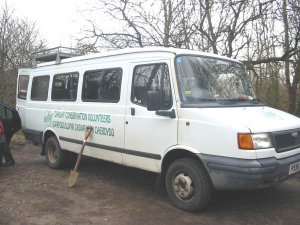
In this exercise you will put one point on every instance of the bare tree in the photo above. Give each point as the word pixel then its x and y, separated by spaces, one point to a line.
pixel 18 38
pixel 284 40
pixel 262 33
pixel 144 23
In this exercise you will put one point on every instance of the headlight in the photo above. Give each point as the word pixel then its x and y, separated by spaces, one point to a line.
pixel 261 141
pixel 254 141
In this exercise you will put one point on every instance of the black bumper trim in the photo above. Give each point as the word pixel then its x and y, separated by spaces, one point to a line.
pixel 241 169
pixel 237 174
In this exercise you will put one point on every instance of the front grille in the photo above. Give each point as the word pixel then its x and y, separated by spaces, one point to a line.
pixel 286 140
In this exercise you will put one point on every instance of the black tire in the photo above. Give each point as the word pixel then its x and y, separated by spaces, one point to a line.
pixel 188 184
pixel 55 156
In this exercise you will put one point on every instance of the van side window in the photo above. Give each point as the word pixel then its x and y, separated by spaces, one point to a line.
pixel 22 86
pixel 153 77
pixel 39 88
pixel 64 87
pixel 102 85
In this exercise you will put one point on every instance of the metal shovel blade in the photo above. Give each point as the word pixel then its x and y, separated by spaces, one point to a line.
pixel 74 174
pixel 73 178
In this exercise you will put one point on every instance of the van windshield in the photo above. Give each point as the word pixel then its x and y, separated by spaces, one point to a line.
pixel 213 81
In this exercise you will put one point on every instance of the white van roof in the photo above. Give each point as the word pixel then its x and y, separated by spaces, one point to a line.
pixel 175 51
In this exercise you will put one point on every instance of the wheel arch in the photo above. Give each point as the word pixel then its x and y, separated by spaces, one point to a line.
pixel 47 133
pixel 175 153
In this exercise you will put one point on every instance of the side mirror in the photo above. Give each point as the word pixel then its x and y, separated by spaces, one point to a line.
pixel 153 100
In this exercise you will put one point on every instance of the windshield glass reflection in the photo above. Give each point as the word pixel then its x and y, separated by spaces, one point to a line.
pixel 203 79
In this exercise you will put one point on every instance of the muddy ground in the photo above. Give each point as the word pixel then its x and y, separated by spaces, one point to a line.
pixel 32 193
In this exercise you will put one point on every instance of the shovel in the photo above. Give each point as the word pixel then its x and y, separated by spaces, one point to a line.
pixel 74 174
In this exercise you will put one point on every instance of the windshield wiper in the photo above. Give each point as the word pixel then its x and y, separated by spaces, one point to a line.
pixel 237 100
pixel 206 99
pixel 255 101
pixel 227 101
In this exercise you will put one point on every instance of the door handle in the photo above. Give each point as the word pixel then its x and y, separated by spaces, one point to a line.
pixel 132 111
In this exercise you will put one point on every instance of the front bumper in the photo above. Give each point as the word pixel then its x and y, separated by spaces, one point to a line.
pixel 242 174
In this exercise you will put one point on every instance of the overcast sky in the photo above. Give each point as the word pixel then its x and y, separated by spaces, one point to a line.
pixel 59 21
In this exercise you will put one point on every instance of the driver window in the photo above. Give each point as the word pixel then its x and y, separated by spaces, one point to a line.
pixel 151 77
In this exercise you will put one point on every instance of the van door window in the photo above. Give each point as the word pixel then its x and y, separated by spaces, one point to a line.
pixel 102 85
pixel 64 87
pixel 39 88
pixel 22 86
pixel 152 77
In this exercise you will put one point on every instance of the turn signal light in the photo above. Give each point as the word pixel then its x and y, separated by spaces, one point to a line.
pixel 245 141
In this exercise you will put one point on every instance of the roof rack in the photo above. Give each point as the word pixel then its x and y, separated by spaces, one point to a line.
pixel 55 54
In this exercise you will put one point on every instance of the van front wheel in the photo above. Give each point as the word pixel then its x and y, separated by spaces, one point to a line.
pixel 56 158
pixel 188 184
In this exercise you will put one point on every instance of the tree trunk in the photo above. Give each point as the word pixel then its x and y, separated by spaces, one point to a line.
pixel 297 77
pixel 167 7
pixel 291 89
pixel 1 76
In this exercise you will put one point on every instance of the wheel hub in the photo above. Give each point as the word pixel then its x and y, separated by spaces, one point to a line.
pixel 183 186
pixel 53 153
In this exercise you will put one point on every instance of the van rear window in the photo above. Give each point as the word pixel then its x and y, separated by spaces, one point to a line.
pixel 22 86
pixel 39 88
pixel 102 85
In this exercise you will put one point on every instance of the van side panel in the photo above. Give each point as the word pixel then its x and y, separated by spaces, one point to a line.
pixel 68 119
pixel 145 139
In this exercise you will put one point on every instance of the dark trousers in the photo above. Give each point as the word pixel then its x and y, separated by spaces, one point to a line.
pixel 2 149
pixel 5 153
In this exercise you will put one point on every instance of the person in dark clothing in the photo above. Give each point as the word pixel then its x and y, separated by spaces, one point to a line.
pixel 2 141
pixel 4 149
pixel 9 160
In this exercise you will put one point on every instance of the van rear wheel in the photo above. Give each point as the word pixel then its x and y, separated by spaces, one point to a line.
pixel 56 157
pixel 188 184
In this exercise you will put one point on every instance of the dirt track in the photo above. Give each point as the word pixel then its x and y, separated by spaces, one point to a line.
pixel 32 193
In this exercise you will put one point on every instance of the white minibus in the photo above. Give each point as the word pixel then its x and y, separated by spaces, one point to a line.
pixel 189 116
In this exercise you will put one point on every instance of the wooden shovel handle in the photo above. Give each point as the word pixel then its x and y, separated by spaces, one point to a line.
pixel 86 136
pixel 87 132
